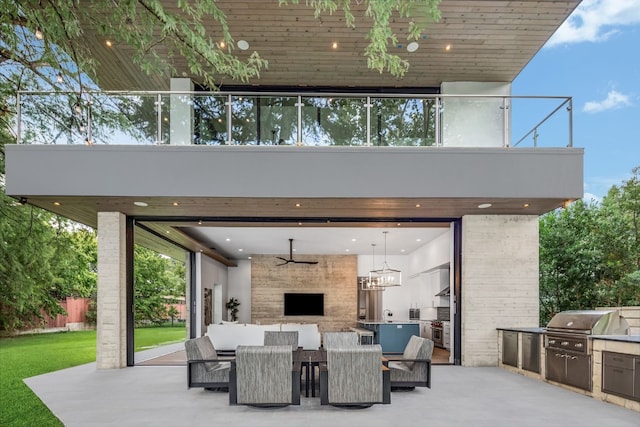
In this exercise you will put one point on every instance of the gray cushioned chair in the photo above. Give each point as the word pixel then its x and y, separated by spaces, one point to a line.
pixel 339 339
pixel 281 338
pixel 204 369
pixel 413 368
pixel 264 376
pixel 354 376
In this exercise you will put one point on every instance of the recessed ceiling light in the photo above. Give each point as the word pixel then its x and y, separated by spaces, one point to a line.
pixel 418 205
pixel 176 204
pixel 526 205
pixel 248 257
pixel 448 48
pixel 354 239
pixel 299 223
pixel 398 224
pixel 109 43
pixel 418 240
pixel 413 46
pixel 347 250
pixel 222 44
pixel 334 45
pixel 240 250
pixel 200 222
pixel 243 44
pixel 402 250
pixel 227 239
pixel 168 232
pixel 484 205
pixel 141 204
pixel 298 205
pixel 57 203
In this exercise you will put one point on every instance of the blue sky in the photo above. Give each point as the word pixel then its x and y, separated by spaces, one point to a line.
pixel 595 58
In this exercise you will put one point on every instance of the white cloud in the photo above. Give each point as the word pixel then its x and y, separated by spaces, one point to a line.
pixel 591 199
pixel 596 20
pixel 613 100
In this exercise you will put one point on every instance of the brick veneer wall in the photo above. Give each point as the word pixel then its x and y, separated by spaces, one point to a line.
pixel 334 275
pixel 499 281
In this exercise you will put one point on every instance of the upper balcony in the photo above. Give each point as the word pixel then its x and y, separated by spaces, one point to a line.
pixel 288 119
pixel 347 155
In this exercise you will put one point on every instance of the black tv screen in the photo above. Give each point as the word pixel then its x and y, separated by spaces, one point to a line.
pixel 303 304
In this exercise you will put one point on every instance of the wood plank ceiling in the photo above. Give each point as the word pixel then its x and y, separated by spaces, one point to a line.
pixel 490 41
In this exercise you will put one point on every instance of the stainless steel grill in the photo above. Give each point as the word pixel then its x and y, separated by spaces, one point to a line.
pixel 568 349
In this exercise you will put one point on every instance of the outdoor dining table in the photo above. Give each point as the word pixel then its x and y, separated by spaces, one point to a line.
pixel 310 359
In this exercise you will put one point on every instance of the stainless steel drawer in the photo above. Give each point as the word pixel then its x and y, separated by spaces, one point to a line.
pixel 618 360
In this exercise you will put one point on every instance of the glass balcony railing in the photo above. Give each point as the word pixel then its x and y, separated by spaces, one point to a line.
pixel 309 119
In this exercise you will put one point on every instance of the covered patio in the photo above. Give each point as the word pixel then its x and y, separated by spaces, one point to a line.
pixel 460 396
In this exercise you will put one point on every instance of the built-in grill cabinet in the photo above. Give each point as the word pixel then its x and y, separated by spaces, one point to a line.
pixel 531 352
pixel 510 348
pixel 621 375
pixel 567 345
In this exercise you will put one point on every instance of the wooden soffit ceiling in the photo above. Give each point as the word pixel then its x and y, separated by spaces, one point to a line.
pixel 490 41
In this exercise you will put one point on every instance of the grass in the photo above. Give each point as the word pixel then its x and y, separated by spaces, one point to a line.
pixel 30 355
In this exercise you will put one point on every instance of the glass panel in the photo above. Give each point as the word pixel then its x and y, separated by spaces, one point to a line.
pixel 209 120
pixel 63 118
pixel 473 121
pixel 124 119
pixel 403 122
pixel 264 120
pixel 534 125
pixel 334 121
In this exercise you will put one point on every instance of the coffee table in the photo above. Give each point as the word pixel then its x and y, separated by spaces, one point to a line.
pixel 310 359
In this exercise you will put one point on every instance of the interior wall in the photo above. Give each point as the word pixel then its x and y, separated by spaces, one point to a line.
pixel 240 287
pixel 334 275
pixel 210 272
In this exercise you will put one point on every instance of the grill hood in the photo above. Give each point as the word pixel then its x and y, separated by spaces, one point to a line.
pixel 592 322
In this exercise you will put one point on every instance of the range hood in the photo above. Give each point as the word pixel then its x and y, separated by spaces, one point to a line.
pixel 444 293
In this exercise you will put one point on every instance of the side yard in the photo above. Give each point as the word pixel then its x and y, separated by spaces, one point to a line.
pixel 29 355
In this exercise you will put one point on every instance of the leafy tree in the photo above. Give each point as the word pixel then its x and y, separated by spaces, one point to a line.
pixel 590 253
pixel 155 278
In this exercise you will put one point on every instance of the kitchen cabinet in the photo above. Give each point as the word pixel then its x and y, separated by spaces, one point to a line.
pixel 510 348
pixel 392 336
pixel 621 375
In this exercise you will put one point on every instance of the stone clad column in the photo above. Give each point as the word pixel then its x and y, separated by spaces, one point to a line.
pixel 111 339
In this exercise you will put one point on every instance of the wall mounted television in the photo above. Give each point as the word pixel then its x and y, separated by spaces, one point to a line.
pixel 303 304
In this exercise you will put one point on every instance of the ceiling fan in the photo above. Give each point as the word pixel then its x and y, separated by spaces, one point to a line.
pixel 287 261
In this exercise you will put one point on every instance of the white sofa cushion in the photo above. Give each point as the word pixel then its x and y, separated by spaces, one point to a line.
pixel 308 334
pixel 228 337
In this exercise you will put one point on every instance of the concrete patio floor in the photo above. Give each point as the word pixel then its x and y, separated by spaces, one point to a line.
pixel 158 396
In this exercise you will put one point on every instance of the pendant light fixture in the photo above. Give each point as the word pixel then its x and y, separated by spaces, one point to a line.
pixel 368 283
pixel 386 276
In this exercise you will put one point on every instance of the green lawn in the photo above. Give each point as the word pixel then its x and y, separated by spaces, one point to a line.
pixel 29 355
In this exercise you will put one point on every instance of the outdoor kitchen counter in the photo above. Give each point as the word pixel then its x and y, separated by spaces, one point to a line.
pixel 624 338
pixel 528 330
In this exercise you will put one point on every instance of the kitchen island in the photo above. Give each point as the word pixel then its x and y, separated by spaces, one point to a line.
pixel 392 336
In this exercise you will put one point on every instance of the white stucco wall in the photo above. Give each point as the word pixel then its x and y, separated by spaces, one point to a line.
pixel 499 281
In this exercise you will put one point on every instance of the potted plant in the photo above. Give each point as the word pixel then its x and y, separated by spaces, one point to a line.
pixel 232 306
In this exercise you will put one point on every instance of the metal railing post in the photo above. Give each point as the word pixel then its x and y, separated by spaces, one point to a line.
pixel 299 105
pixel 229 105
pixel 19 116
pixel 570 108
pixel 159 119
pixel 368 106
pixel 438 136
pixel 505 122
